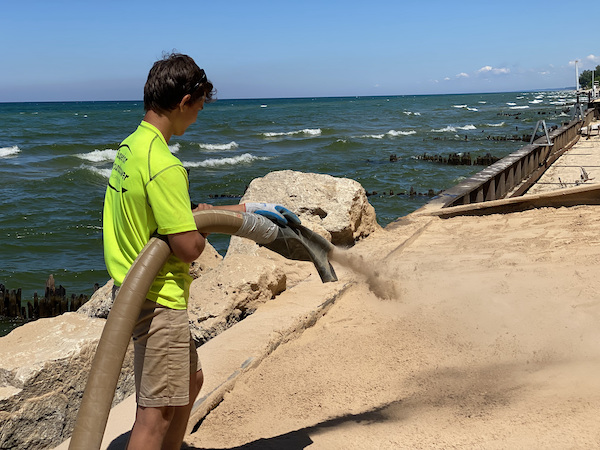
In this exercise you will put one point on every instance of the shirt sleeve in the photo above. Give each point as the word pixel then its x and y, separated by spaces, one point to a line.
pixel 169 199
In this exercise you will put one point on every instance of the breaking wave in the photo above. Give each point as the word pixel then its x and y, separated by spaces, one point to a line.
pixel 453 129
pixel 219 147
pixel 6 152
pixel 306 131
pixel 98 155
pixel 102 172
pixel 246 158
pixel 392 133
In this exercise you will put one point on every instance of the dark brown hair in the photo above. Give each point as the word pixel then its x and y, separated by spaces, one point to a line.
pixel 172 78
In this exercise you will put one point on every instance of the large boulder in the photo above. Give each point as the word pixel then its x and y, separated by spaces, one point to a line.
pixel 44 367
pixel 224 296
pixel 335 208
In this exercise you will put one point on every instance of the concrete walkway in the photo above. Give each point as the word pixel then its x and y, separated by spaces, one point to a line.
pixel 579 165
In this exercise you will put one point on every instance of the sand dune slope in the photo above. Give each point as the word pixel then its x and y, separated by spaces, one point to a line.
pixel 492 340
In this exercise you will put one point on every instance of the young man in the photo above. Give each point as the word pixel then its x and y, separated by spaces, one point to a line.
pixel 147 193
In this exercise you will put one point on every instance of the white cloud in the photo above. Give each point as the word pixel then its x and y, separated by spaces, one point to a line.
pixel 593 58
pixel 494 70
pixel 447 79
pixel 501 70
pixel 462 75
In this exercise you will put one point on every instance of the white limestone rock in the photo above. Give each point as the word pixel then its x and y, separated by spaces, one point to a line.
pixel 227 294
pixel 44 366
pixel 335 208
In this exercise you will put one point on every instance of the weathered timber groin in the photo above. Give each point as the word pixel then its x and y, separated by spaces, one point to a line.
pixel 457 159
pixel 54 302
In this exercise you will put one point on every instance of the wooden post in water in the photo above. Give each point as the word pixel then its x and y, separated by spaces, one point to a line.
pixel 52 304
pixel 2 300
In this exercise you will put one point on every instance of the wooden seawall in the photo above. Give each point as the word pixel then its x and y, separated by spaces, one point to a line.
pixel 514 174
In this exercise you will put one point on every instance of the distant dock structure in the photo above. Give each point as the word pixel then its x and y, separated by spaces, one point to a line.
pixel 511 177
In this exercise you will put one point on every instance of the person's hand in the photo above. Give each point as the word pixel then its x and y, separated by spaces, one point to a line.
pixel 280 214
pixel 202 207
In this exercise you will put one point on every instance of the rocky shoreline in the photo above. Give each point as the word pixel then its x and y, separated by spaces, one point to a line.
pixel 44 364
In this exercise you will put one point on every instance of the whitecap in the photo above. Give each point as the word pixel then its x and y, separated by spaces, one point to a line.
pixel 175 147
pixel 501 124
pixel 459 106
pixel 445 129
pixel 246 158
pixel 536 101
pixel 511 104
pixel 467 127
pixel 102 172
pixel 471 109
pixel 263 106
pixel 373 136
pixel 520 107
pixel 482 102
pixel 216 147
pixel 308 131
pixel 400 133
pixel 99 155
pixel 5 152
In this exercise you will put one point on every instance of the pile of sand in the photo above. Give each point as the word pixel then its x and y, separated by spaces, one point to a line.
pixel 483 334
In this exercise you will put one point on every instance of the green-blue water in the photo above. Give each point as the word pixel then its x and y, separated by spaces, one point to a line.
pixel 55 159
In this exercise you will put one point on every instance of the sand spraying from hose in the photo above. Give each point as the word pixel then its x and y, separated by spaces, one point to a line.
pixel 380 284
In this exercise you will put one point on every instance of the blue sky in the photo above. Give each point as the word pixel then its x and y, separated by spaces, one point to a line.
pixel 102 50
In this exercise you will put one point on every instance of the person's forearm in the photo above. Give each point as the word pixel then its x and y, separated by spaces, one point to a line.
pixel 240 208
pixel 187 246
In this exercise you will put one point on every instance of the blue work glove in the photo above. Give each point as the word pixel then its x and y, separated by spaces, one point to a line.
pixel 280 214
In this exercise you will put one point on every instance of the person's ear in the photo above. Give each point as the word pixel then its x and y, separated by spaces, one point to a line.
pixel 186 98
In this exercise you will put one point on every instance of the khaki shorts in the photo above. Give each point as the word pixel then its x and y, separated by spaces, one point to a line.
pixel 165 356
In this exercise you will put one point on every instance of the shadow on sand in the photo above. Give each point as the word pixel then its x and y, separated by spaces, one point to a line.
pixel 294 440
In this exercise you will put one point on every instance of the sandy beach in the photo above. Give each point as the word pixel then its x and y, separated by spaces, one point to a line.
pixel 490 341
